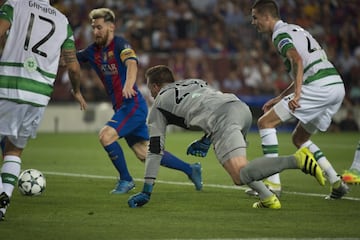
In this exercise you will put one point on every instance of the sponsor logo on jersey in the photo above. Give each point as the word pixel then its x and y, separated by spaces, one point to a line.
pixel 109 69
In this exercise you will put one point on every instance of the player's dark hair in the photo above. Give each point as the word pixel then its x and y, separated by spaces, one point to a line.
pixel 268 6
pixel 159 74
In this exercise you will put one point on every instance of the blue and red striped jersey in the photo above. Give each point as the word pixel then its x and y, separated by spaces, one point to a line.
pixel 109 64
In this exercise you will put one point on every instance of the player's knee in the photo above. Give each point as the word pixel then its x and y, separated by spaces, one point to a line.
pixel 262 122
pixel 106 136
pixel 103 139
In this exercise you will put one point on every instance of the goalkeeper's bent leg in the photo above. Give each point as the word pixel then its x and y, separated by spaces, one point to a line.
pixel 263 167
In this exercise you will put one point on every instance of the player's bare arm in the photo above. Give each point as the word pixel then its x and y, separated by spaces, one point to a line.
pixel 73 66
pixel 4 26
pixel 128 90
pixel 269 104
pixel 297 69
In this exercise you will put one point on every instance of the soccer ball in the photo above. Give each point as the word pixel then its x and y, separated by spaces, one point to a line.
pixel 31 182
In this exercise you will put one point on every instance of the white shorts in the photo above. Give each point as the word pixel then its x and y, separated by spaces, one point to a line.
pixel 318 104
pixel 19 122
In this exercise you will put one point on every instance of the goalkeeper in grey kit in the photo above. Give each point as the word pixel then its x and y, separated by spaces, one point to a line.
pixel 192 104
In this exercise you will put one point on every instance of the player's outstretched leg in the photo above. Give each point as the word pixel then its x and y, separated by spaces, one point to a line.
pixel 193 171
pixel 308 164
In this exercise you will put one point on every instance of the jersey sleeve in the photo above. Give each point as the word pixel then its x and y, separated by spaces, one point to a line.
pixel 69 43
pixel 6 12
pixel 82 56
pixel 126 52
pixel 157 128
pixel 282 43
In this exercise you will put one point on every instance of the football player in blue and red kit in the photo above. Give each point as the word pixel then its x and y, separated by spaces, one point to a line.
pixel 115 62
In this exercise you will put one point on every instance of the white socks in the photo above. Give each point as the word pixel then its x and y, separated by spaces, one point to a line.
pixel 10 172
pixel 270 146
pixel 320 158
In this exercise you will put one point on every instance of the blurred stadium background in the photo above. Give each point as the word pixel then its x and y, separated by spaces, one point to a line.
pixel 212 40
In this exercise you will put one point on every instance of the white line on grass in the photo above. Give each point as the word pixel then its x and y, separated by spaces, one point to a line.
pixel 186 183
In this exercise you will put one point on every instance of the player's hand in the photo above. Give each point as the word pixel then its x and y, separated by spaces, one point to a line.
pixel 199 148
pixel 79 97
pixel 141 198
pixel 129 92
pixel 269 104
pixel 294 104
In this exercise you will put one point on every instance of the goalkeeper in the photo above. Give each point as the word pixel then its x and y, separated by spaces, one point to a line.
pixel 192 103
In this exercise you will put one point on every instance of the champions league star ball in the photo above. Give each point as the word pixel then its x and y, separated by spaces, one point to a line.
pixel 31 182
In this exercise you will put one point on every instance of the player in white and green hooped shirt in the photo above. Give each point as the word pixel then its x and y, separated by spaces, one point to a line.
pixel 313 97
pixel 37 34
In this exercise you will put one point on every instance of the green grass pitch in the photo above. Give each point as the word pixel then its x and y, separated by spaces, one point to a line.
pixel 77 203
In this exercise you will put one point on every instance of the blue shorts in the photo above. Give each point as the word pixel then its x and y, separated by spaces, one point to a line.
pixel 130 122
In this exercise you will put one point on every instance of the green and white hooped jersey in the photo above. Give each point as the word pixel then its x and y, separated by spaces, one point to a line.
pixel 30 59
pixel 315 62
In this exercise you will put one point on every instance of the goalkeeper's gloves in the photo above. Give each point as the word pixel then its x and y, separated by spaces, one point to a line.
pixel 141 198
pixel 199 148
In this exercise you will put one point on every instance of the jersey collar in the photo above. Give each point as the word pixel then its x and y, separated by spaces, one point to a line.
pixel 278 25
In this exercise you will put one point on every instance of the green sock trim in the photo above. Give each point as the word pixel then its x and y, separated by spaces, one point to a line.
pixel 9 178
pixel 318 154
pixel 269 149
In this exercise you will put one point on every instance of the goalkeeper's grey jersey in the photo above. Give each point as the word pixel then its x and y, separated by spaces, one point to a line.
pixel 187 103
